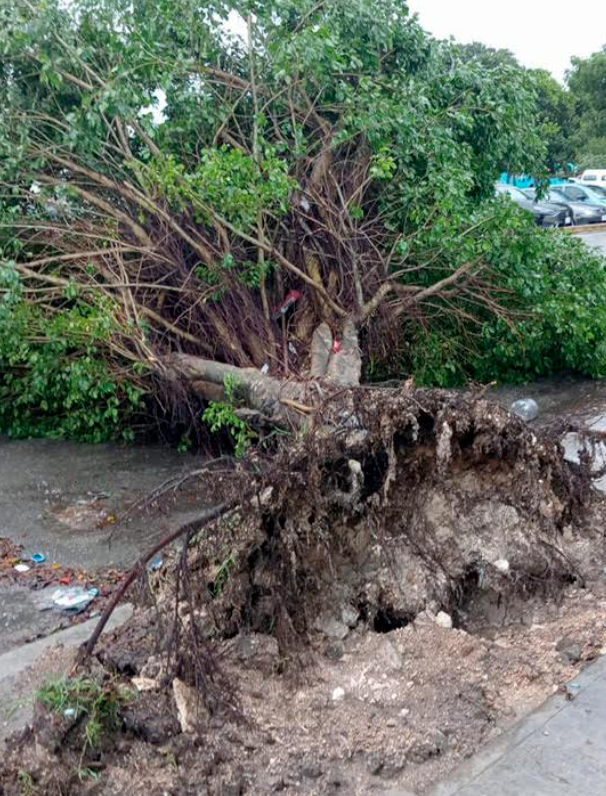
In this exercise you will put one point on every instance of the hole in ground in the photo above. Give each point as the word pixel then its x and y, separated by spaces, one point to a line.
pixel 485 610
pixel 388 619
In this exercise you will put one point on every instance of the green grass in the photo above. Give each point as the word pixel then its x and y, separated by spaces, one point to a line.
pixel 96 704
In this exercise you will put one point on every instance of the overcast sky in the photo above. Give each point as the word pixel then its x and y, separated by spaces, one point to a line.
pixel 541 33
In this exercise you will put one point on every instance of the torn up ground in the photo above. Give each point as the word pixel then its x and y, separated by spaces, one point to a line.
pixel 412 583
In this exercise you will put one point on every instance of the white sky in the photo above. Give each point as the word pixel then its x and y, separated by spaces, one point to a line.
pixel 540 33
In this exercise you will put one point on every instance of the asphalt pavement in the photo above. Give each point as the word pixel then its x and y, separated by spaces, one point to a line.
pixel 596 240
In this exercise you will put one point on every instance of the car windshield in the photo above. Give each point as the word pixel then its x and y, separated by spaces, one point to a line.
pixel 598 189
pixel 573 192
pixel 549 196
pixel 594 194
pixel 513 192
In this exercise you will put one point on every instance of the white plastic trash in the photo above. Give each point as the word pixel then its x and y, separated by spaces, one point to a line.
pixel 73 599
pixel 526 408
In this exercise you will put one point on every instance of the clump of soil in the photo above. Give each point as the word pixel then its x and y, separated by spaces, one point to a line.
pixel 435 565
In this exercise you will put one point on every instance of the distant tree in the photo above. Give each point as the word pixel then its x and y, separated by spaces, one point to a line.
pixel 557 119
pixel 488 57
pixel 587 83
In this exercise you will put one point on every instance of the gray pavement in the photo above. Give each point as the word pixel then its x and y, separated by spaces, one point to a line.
pixel 54 498
pixel 597 240
pixel 560 750
pixel 50 491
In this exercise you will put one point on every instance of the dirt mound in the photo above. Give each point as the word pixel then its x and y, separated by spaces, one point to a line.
pixel 401 503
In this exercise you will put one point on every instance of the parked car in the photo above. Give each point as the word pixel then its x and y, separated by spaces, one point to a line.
pixel 594 175
pixel 600 190
pixel 580 193
pixel 545 214
pixel 579 212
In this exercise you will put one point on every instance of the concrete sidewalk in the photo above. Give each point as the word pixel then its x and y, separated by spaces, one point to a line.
pixel 560 750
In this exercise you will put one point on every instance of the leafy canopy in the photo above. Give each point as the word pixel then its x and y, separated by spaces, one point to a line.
pixel 167 182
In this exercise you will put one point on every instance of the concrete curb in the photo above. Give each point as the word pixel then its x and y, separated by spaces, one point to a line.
pixel 17 660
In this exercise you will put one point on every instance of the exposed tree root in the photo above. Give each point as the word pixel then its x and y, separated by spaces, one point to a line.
pixel 394 501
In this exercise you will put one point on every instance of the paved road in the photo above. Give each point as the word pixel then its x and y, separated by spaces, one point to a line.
pixel 596 240
pixel 50 493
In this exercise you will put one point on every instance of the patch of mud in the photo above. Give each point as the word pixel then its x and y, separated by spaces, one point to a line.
pixel 85 515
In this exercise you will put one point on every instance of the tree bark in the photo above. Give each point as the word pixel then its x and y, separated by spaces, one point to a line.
pixel 335 362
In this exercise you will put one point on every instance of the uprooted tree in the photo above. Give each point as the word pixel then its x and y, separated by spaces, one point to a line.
pixel 192 189
pixel 291 208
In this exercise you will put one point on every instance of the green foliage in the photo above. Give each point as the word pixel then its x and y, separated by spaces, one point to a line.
pixel 225 183
pixel 562 286
pixel 221 416
pixel 222 574
pixel 346 134
pixel 97 704
pixel 552 291
pixel 557 120
pixel 586 82
pixel 54 379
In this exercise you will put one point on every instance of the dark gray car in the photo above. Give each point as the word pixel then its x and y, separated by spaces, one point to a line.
pixel 581 212
pixel 545 213
pixel 585 197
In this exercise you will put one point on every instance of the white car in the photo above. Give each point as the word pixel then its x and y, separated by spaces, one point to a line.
pixel 594 176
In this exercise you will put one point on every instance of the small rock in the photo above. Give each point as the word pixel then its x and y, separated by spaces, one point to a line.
pixel 257 650
pixel 425 617
pixel 333 628
pixel 391 723
pixel 443 620
pixel 145 684
pixel 311 770
pixel 375 764
pixel 350 616
pixel 501 565
pixel 189 707
pixel 570 651
pixel 391 660
pixel 335 777
pixel 334 651
pixel 440 741
pixel 432 746
pixel 404 713
pixel 338 695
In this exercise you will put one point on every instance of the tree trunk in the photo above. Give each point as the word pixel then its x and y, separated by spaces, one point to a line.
pixel 335 362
